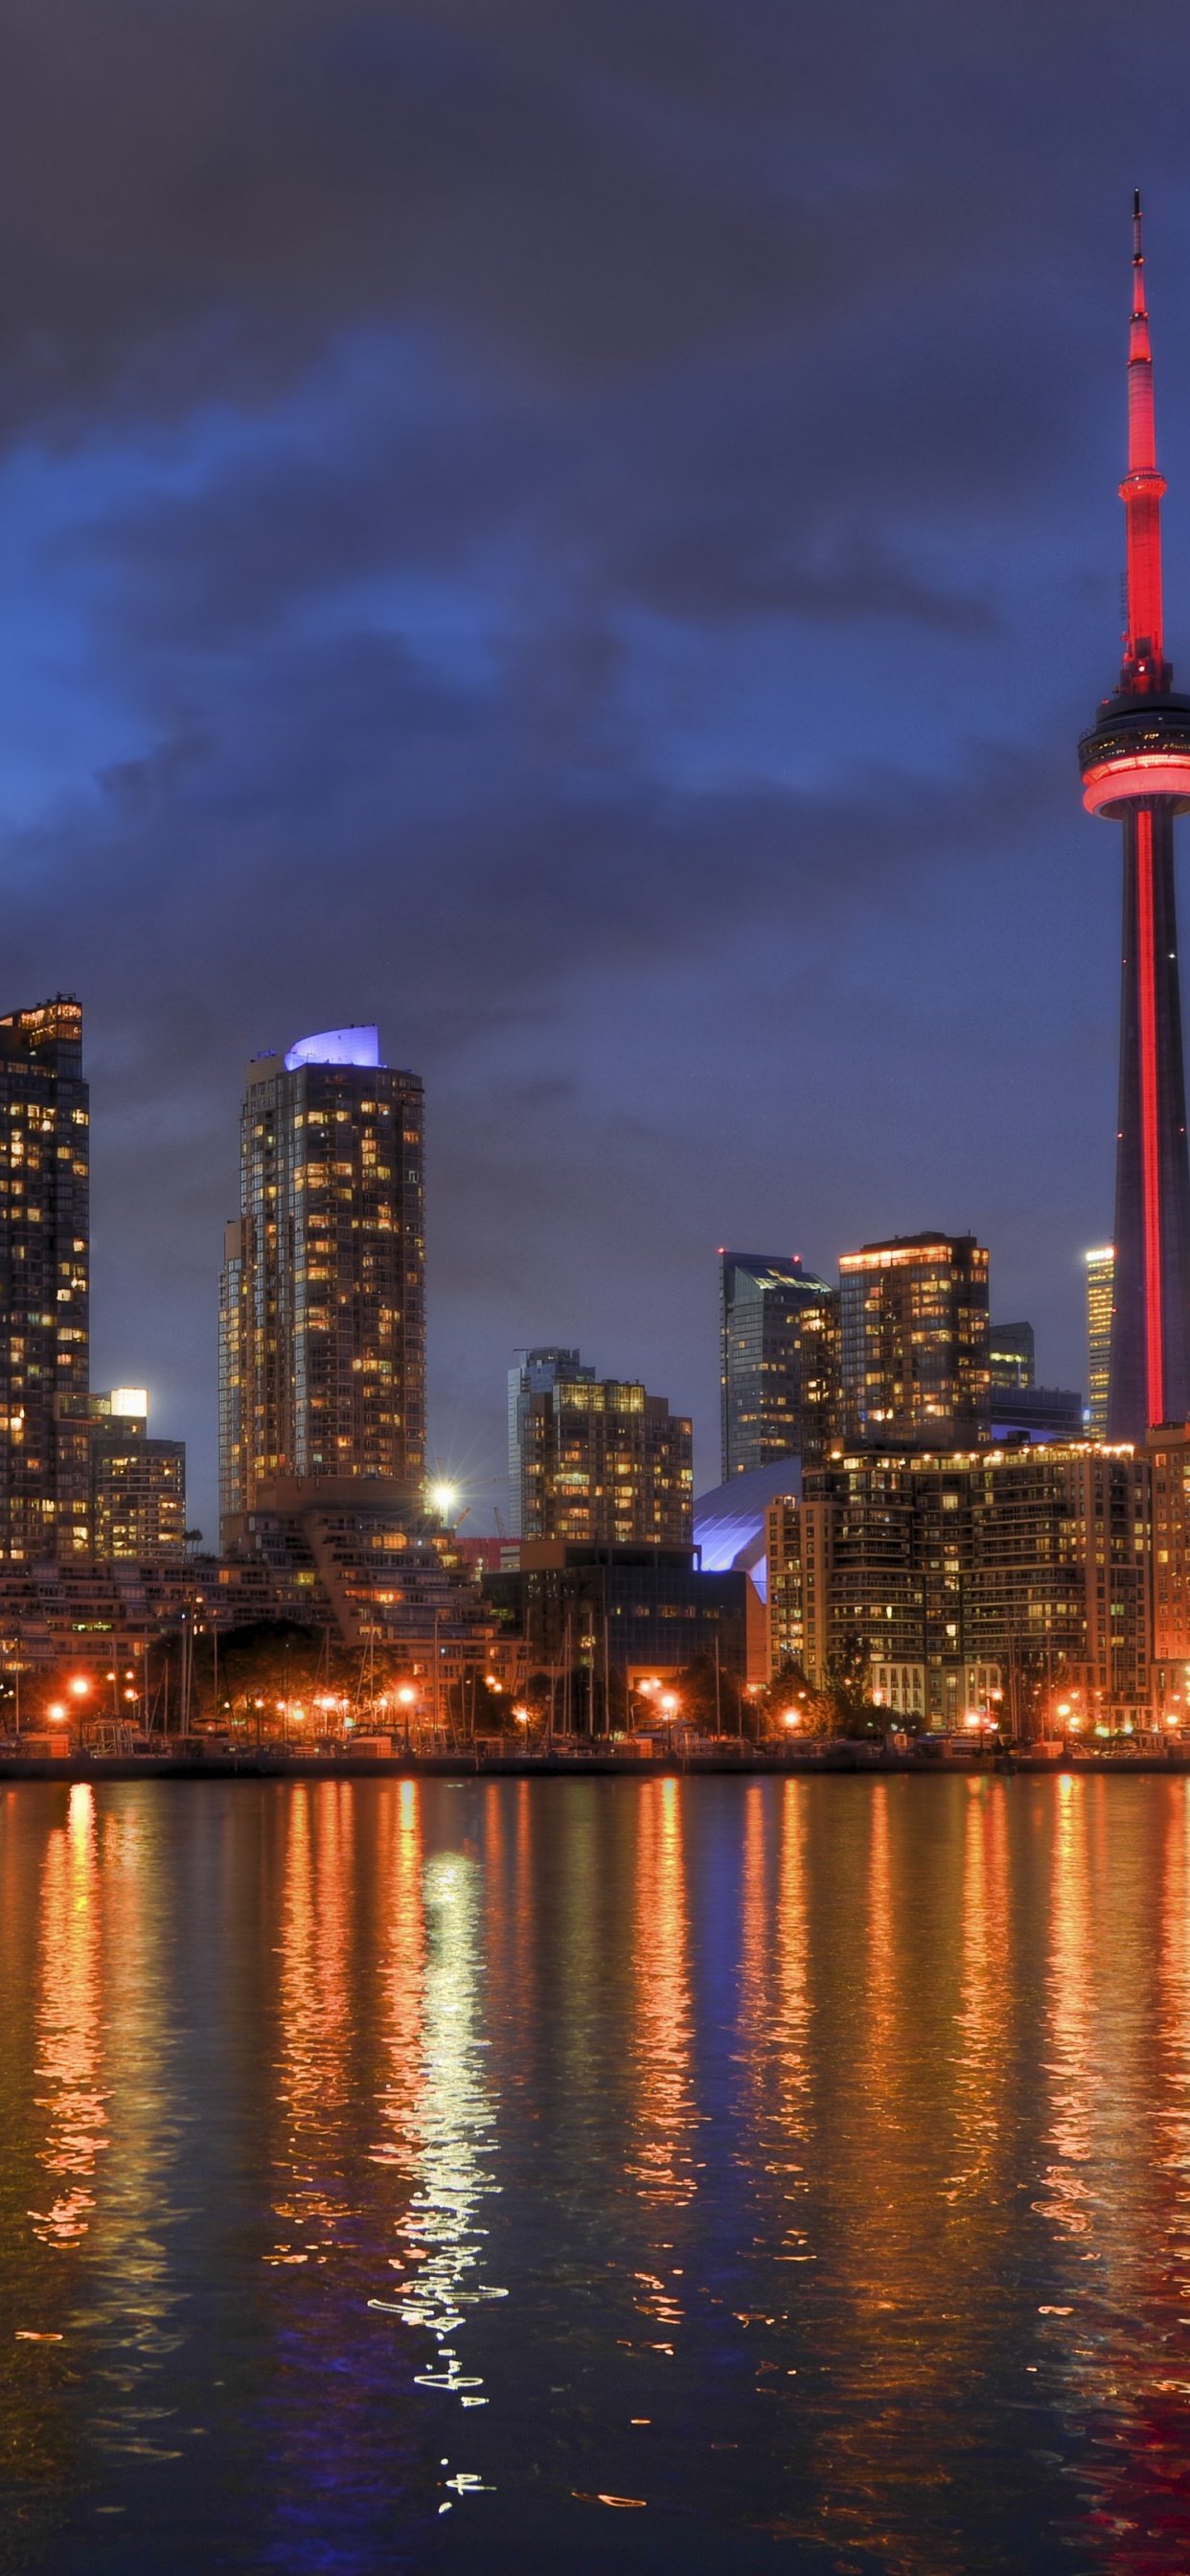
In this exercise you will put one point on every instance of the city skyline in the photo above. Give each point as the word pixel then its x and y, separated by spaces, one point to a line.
pixel 423 644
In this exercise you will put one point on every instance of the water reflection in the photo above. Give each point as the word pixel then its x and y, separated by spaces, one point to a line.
pixel 68 2020
pixel 914 2057
pixel 456 2119
pixel 314 2087
pixel 984 1995
pixel 661 2159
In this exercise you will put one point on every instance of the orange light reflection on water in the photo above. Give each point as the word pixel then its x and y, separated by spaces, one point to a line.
pixel 660 2157
pixel 68 2024
pixel 314 2084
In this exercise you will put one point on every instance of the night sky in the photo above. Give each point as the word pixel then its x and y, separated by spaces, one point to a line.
pixel 585 534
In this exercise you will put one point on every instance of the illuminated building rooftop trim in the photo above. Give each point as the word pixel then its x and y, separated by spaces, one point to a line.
pixel 913 1249
pixel 357 1045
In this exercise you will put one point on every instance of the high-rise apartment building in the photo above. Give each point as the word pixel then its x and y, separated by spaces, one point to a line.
pixel 1101 1296
pixel 138 1485
pixel 44 1282
pixel 600 1460
pixel 914 1362
pixel 1168 1451
pixel 1026 1569
pixel 322 1359
pixel 778 1360
pixel 535 1373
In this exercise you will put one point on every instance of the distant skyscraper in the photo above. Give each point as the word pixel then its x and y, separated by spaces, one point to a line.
pixel 914 1341
pixel 1011 1357
pixel 44 1281
pixel 1135 764
pixel 778 1360
pixel 1101 1271
pixel 322 1361
pixel 138 1485
pixel 597 1460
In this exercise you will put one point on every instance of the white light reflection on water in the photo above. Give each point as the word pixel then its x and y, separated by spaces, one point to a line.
pixel 456 2120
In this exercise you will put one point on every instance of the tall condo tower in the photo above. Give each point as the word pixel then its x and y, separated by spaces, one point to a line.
pixel 322 1342
pixel 1136 770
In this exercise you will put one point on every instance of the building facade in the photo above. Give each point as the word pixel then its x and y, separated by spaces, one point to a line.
pixel 322 1359
pixel 1011 1357
pixel 779 1375
pixel 630 1612
pixel 1033 1560
pixel 1168 1452
pixel 138 1485
pixel 914 1341
pixel 601 1461
pixel 536 1373
pixel 45 1281
pixel 1101 1298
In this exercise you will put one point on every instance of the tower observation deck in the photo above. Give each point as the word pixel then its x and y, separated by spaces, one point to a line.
pixel 1135 764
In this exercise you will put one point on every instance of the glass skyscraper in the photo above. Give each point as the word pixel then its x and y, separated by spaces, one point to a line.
pixel 778 1360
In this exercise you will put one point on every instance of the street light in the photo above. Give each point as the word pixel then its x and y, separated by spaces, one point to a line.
pixel 406 1697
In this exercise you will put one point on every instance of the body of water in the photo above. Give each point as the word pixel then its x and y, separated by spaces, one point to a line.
pixel 721 2174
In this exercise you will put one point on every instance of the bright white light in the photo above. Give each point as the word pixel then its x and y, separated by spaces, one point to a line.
pixel 129 1399
pixel 444 1498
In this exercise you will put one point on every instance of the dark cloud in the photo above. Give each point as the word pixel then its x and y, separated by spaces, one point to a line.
pixel 589 532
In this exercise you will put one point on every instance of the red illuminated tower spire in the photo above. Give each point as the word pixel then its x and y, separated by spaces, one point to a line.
pixel 1136 771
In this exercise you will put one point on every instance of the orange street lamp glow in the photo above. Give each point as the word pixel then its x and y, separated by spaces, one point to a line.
pixel 791 1717
pixel 56 1712
pixel 521 1715
pixel 80 1686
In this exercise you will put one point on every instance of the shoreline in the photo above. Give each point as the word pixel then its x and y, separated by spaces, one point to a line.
pixel 466 1765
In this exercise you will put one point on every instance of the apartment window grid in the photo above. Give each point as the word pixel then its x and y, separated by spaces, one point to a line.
pixel 325 1341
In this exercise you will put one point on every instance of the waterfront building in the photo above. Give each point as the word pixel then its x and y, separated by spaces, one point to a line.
pixel 1135 763
pixel 636 1613
pixel 914 1341
pixel 44 1277
pixel 322 1361
pixel 778 1328
pixel 1101 1299
pixel 1035 1560
pixel 138 1485
pixel 347 1555
pixel 536 1372
pixel 600 1460
pixel 1168 1451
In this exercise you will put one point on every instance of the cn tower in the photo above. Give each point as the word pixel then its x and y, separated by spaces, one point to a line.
pixel 1136 770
